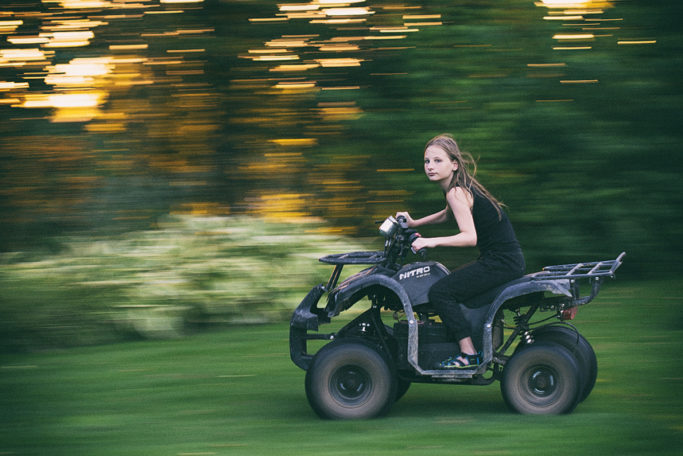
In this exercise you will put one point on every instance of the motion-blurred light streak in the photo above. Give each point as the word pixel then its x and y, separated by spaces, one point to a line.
pixel 572 48
pixel 64 101
pixel 563 18
pixel 565 4
pixel 180 1
pixel 9 26
pixel 298 7
pixel 8 85
pixel 295 67
pixel 20 57
pixel 285 85
pixel 348 11
pixel 572 36
pixel 631 42
pixel 341 62
pixel 578 81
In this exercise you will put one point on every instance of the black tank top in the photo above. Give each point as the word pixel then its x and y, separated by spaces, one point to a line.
pixel 494 230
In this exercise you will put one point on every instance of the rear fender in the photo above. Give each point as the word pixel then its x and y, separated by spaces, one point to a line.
pixel 521 287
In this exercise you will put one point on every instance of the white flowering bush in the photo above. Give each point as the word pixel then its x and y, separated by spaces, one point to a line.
pixel 189 273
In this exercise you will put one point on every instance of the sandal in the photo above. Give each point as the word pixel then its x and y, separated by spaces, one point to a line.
pixel 455 362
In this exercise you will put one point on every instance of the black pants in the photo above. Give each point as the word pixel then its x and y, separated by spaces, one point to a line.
pixel 489 271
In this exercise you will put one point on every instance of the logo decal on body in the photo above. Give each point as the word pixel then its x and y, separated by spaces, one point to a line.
pixel 415 273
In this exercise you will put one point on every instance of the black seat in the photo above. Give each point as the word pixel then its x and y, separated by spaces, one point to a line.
pixel 486 298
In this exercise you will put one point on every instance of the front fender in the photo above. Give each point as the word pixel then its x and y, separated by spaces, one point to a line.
pixel 359 285
pixel 308 315
pixel 368 283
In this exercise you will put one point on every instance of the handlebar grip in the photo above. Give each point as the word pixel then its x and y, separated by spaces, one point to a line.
pixel 423 251
pixel 402 221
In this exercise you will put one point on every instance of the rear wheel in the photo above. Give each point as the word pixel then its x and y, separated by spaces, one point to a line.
pixel 579 347
pixel 350 380
pixel 541 379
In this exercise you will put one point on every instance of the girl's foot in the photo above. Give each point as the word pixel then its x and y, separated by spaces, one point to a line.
pixel 461 361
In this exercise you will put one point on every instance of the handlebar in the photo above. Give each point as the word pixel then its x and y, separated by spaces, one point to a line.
pixel 411 238
pixel 412 235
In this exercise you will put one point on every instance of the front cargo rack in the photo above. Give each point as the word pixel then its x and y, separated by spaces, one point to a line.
pixel 354 258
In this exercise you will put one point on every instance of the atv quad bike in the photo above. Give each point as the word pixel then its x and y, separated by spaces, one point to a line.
pixel 367 364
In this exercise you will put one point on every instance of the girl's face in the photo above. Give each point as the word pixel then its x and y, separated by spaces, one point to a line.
pixel 438 165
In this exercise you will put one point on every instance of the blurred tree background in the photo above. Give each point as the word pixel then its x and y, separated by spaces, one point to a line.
pixel 131 127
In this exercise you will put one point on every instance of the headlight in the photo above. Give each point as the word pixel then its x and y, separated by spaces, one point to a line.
pixel 388 227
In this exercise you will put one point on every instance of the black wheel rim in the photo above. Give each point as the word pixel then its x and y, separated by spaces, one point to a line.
pixel 350 384
pixel 542 381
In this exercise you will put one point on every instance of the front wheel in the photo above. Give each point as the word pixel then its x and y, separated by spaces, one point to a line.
pixel 542 379
pixel 350 380
pixel 402 387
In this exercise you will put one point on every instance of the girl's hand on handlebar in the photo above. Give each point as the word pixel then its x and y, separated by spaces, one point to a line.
pixel 420 243
pixel 405 215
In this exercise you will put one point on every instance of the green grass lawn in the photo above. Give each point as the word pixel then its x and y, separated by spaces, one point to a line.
pixel 235 392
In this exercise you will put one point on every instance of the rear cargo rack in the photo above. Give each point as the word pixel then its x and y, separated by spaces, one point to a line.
pixel 580 270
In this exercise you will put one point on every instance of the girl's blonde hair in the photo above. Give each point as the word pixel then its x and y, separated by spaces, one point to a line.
pixel 467 169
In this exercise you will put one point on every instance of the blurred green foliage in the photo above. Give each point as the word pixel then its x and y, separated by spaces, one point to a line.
pixel 592 174
pixel 587 169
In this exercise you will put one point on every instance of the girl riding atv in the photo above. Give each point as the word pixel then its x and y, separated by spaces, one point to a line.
pixel 481 222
